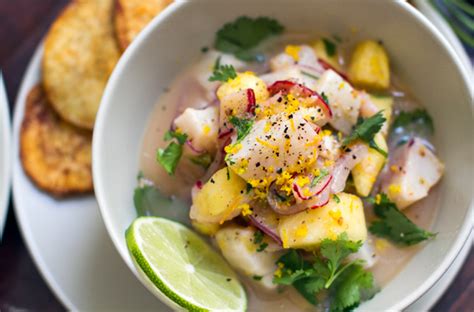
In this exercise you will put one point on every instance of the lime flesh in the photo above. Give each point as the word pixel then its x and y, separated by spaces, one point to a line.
pixel 183 266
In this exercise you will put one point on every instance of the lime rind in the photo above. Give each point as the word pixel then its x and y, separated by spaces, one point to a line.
pixel 165 251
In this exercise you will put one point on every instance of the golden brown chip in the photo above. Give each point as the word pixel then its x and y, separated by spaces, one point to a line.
pixel 80 52
pixel 131 16
pixel 55 155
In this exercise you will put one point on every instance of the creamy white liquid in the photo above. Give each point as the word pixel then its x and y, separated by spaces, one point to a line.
pixel 183 92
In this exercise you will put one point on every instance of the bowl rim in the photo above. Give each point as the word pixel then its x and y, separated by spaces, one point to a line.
pixel 418 17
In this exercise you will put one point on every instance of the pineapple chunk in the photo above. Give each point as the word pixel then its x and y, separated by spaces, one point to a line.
pixel 308 228
pixel 365 172
pixel 201 126
pixel 319 48
pixel 204 228
pixel 238 248
pixel 220 199
pixel 244 81
pixel 369 67
pixel 384 103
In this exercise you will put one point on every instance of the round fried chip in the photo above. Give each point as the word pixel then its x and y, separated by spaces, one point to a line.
pixel 131 16
pixel 55 155
pixel 80 52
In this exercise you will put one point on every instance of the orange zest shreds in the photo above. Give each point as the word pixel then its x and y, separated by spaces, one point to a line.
pixel 335 214
pixel 326 132
pixel 178 130
pixel 206 129
pixel 266 144
pixel 307 192
pixel 270 169
pixel 242 166
pixel 293 104
pixel 278 272
pixel 394 169
pixel 381 244
pixel 268 126
pixel 233 205
pixel 328 163
pixel 232 149
pixel 259 183
pixel 394 189
pixel 378 199
pixel 284 238
pixel 246 210
pixel 339 136
pixel 341 85
pixel 316 141
pixel 292 125
pixel 302 181
pixel 293 51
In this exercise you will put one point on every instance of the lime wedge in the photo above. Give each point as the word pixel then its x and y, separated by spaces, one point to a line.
pixel 183 266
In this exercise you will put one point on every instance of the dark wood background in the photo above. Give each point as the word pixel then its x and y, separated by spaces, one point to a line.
pixel 22 25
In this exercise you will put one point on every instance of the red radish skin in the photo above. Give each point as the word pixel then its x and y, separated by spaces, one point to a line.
pixel 318 189
pixel 225 133
pixel 251 101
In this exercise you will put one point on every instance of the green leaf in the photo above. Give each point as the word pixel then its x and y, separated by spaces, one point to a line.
pixel 336 198
pixel 257 277
pixel 325 98
pixel 149 201
pixel 330 47
pixel 309 287
pixel 180 137
pixel 222 73
pixel 169 157
pixel 258 237
pixel 394 225
pixel 419 116
pixel 242 125
pixel 244 34
pixel 203 160
pixel 262 247
pixel 323 173
pixel 365 130
pixel 347 291
pixel 309 75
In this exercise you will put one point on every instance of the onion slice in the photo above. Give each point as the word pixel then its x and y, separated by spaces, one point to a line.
pixel 266 220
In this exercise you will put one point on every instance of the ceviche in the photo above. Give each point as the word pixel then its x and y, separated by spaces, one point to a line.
pixel 303 159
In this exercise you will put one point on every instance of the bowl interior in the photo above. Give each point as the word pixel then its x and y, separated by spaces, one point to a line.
pixel 419 57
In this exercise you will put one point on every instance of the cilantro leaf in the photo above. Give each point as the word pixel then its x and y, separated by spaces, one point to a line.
pixel 180 137
pixel 262 247
pixel 222 73
pixel 325 98
pixel 347 292
pixel 203 160
pixel 324 173
pixel 330 47
pixel 394 225
pixel 149 201
pixel 169 157
pixel 245 33
pixel 258 237
pixel 365 130
pixel 329 271
pixel 257 277
pixel 336 198
pixel 419 116
pixel 242 125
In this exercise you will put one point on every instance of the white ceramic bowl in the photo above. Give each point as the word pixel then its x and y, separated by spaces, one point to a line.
pixel 420 57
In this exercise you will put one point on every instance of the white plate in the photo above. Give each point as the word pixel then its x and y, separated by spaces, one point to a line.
pixel 71 249
pixel 67 238
pixel 5 156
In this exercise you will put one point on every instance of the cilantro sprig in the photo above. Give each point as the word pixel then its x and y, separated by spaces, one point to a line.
pixel 242 125
pixel 330 47
pixel 365 130
pixel 258 240
pixel 323 173
pixel 169 157
pixel 222 73
pixel 244 34
pixel 394 225
pixel 344 280
pixel 419 116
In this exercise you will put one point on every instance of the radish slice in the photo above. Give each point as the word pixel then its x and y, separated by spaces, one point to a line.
pixel 344 165
pixel 287 86
pixel 313 190
pixel 327 66
pixel 225 133
pixel 195 150
pixel 267 221
pixel 251 101
pixel 322 199
pixel 279 206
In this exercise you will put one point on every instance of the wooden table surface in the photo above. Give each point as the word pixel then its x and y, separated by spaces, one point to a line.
pixel 22 25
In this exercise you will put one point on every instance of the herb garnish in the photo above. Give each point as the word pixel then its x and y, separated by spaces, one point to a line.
pixel 329 271
pixel 258 240
pixel 257 277
pixel 203 160
pixel 169 157
pixel 323 173
pixel 245 33
pixel 309 75
pixel 394 225
pixel 325 98
pixel 222 73
pixel 242 125
pixel 365 130
pixel 336 198
pixel 420 116
pixel 330 47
